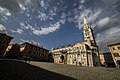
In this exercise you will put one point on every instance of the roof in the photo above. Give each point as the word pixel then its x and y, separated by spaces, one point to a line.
pixel 118 43
pixel 33 45
pixel 13 44
pixel 62 47
pixel 6 35
pixel 67 45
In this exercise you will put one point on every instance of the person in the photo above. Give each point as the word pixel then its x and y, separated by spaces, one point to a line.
pixel 29 59
pixel 25 58
pixel 105 64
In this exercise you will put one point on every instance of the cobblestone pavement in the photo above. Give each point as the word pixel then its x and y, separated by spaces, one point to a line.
pixel 19 70
pixel 81 73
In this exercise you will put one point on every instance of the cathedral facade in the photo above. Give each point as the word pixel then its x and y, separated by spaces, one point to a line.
pixel 81 53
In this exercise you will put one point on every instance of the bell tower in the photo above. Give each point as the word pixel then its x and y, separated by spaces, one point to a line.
pixel 93 57
pixel 88 32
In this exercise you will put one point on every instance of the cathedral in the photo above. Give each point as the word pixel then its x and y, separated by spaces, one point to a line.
pixel 81 53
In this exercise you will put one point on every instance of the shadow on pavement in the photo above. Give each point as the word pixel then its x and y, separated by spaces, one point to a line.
pixel 17 70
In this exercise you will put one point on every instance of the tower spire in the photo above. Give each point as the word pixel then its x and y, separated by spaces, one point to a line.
pixel 88 32
pixel 85 20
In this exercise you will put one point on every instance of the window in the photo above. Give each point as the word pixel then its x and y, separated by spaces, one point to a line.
pixel 118 61
pixel 116 55
pixel 34 53
pixel 2 47
pixel 6 37
pixel 1 37
pixel 4 42
pixel 118 48
pixel 85 34
pixel 39 49
pixel 45 55
pixel 29 47
pixel 29 52
pixel 113 48
pixel 82 62
pixel 32 47
pixel 39 54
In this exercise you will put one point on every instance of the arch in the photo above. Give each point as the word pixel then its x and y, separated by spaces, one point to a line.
pixel 62 58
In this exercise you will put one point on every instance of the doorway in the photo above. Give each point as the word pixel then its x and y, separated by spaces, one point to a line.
pixel 62 58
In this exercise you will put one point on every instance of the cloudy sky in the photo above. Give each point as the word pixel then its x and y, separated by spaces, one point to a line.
pixel 54 23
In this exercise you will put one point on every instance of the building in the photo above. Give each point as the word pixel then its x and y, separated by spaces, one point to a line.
pixel 106 59
pixel 4 42
pixel 34 52
pixel 81 53
pixel 13 51
pixel 115 51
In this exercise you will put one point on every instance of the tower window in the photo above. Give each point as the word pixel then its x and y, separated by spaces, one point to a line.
pixel 84 55
pixel 82 47
pixel 78 53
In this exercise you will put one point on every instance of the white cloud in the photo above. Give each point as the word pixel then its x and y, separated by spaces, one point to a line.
pixel 63 15
pixel 2 28
pixel 42 16
pixel 82 1
pixel 20 31
pixel 92 15
pixel 62 21
pixel 28 15
pixel 44 31
pixel 22 7
pixel 80 7
pixel 40 31
pixel 102 22
pixel 63 18
pixel 52 12
pixel 95 14
pixel 5 12
pixel 30 4
pixel 109 36
pixel 24 26
pixel 42 3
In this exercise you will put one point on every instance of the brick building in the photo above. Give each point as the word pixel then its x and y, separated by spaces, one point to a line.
pixel 34 52
pixel 115 51
pixel 4 42
pixel 106 59
pixel 13 51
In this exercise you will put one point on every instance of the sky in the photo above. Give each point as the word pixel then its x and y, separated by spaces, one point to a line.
pixel 54 23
